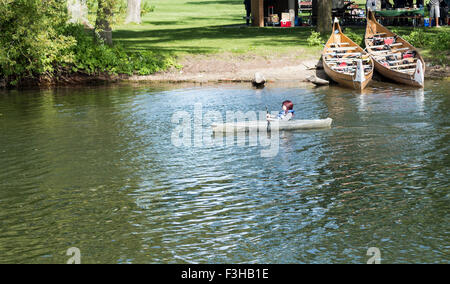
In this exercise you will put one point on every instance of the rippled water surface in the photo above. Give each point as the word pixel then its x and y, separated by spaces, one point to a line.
pixel 95 168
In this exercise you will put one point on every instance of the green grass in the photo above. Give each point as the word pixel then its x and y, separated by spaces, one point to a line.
pixel 208 26
pixel 181 27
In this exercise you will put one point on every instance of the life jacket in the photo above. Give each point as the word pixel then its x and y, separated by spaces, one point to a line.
pixel 282 112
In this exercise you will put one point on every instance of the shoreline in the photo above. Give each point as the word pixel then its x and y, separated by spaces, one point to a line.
pixel 241 69
pixel 217 68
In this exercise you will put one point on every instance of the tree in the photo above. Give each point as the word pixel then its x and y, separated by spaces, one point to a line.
pixel 30 42
pixel 104 18
pixel 78 11
pixel 133 12
pixel 324 16
pixel 314 13
pixel 39 45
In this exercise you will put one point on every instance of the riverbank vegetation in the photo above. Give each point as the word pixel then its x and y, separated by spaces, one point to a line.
pixel 38 42
pixel 434 43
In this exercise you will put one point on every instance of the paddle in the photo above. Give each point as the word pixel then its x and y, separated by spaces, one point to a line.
pixel 268 121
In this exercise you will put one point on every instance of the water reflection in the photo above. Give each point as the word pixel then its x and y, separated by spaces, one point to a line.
pixel 95 168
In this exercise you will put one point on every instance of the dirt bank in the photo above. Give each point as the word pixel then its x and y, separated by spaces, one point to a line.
pixel 235 68
pixel 241 68
pixel 63 79
pixel 219 68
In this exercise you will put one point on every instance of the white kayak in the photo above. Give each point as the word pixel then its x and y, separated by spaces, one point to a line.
pixel 262 125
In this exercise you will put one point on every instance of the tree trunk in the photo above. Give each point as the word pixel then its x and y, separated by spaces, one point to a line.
pixel 324 16
pixel 133 12
pixel 78 11
pixel 314 13
pixel 104 17
pixel 257 13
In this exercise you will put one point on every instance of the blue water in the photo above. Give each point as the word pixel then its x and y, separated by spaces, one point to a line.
pixel 95 168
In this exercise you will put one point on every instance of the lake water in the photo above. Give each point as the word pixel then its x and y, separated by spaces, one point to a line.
pixel 96 169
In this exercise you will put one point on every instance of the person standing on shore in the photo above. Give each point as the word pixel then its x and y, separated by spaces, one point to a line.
pixel 248 8
pixel 444 12
pixel 434 12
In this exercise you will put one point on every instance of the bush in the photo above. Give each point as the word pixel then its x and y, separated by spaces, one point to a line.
pixel 35 41
pixel 29 42
pixel 93 56
pixel 417 38
pixel 436 41
pixel 146 8
pixel 356 38
pixel 315 39
pixel 439 43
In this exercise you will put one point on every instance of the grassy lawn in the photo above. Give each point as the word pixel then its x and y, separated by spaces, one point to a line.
pixel 183 27
pixel 208 26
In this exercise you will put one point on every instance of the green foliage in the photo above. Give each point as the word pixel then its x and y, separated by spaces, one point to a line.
pixel 29 41
pixel 106 9
pixel 356 38
pixel 120 10
pixel 437 40
pixel 417 37
pixel 35 40
pixel 146 7
pixel 442 41
pixel 315 39
pixel 439 43
pixel 92 56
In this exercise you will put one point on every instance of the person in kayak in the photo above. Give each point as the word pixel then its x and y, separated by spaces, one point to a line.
pixel 287 112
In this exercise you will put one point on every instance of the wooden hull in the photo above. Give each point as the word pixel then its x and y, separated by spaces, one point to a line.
pixel 398 77
pixel 346 51
pixel 372 28
pixel 347 80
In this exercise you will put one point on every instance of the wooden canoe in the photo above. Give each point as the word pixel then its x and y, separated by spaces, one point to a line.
pixel 390 58
pixel 345 62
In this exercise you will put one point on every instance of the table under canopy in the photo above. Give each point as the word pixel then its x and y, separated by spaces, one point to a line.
pixel 400 12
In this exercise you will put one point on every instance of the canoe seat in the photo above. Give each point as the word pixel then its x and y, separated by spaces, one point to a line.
pixel 339 43
pixel 401 60
pixel 344 60
pixel 403 65
pixel 390 50
pixel 382 56
pixel 377 36
pixel 342 48
pixel 378 46
pixel 350 67
pixel 347 73
pixel 340 54
pixel 404 48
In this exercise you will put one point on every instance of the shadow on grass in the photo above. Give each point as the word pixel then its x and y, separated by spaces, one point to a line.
pixel 188 20
pixel 210 19
pixel 223 2
pixel 175 50
pixel 163 23
pixel 177 40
